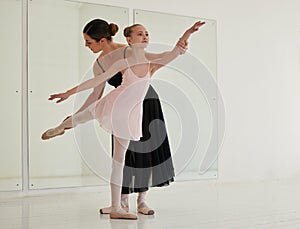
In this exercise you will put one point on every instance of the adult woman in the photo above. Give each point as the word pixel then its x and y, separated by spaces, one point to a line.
pixel 125 124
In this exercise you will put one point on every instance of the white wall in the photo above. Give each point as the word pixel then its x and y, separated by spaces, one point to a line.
pixel 258 75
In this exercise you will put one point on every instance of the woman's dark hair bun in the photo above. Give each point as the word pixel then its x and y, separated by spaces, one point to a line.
pixel 113 29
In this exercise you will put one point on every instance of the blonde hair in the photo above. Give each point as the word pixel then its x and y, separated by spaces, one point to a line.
pixel 128 30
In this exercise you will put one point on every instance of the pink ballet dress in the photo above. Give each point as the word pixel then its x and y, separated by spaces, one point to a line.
pixel 120 112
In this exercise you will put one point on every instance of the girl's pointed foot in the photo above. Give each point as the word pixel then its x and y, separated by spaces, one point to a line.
pixel 120 213
pixel 51 133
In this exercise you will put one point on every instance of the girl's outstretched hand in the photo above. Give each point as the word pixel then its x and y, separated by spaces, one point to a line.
pixel 182 44
pixel 196 26
pixel 61 96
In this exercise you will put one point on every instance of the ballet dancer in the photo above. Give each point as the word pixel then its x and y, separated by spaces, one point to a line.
pixel 120 111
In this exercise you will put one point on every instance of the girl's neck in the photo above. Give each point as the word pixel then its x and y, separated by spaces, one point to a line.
pixel 138 52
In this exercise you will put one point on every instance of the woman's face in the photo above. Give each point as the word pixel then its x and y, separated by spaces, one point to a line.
pixel 138 35
pixel 92 44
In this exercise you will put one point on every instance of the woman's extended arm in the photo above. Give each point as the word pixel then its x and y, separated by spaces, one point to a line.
pixel 95 95
pixel 97 92
pixel 106 59
pixel 91 83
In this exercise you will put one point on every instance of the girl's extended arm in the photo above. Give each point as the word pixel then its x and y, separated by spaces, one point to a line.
pixel 153 56
pixel 191 30
pixel 91 83
pixel 178 49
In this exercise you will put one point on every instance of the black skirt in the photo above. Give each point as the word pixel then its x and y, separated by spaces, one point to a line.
pixel 148 162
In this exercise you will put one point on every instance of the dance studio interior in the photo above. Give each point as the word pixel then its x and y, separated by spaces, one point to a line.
pixel 230 104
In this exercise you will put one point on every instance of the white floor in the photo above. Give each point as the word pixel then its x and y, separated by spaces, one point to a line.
pixel 182 205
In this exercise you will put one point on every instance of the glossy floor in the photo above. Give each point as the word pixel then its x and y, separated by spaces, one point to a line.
pixel 181 205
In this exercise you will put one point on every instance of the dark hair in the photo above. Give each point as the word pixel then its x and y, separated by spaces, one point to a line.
pixel 98 29
pixel 128 30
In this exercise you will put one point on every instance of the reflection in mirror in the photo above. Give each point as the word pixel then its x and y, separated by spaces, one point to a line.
pixel 57 61
pixel 190 110
pixel 10 97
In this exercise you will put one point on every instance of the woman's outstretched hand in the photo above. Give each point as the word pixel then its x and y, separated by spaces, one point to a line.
pixel 61 96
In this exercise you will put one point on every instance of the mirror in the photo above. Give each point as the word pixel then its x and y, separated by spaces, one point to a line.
pixel 11 95
pixel 58 59
pixel 190 108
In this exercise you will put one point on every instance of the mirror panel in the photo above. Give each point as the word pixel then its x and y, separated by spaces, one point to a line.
pixel 191 117
pixel 11 95
pixel 58 60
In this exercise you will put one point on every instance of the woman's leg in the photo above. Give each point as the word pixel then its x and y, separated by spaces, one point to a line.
pixel 68 123
pixel 120 147
pixel 142 206
pixel 124 202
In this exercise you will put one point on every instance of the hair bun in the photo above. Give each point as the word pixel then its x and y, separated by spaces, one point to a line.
pixel 113 29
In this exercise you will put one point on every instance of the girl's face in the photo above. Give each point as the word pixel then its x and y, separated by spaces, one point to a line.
pixel 92 44
pixel 138 35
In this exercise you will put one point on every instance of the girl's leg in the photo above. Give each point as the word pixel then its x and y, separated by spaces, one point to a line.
pixel 68 123
pixel 120 147
pixel 142 206
pixel 124 197
pixel 124 205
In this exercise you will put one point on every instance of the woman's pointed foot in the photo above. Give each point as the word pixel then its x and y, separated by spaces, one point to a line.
pixel 144 209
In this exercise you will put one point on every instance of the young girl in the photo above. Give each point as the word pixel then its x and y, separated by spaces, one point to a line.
pixel 142 157
pixel 120 111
